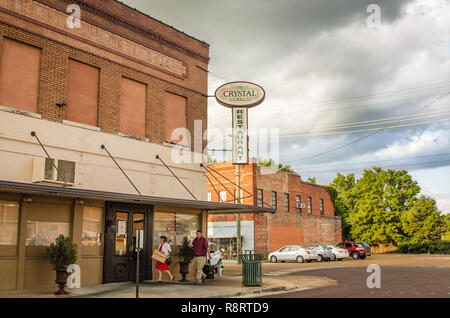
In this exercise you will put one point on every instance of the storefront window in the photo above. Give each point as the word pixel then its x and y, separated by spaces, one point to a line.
pixel 121 233
pixel 44 233
pixel 186 225
pixel 9 219
pixel 175 226
pixel 91 234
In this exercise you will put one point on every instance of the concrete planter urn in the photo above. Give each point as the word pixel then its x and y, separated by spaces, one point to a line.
pixel 184 270
pixel 61 254
pixel 61 279
pixel 186 254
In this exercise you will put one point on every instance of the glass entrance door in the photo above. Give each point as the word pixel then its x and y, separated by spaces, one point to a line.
pixel 123 222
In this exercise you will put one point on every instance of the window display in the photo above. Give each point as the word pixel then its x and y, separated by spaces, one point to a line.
pixel 91 234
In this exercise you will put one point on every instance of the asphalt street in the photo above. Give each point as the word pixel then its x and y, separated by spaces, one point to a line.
pixel 396 282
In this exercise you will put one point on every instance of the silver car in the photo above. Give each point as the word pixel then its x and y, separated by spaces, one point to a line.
pixel 295 253
pixel 324 253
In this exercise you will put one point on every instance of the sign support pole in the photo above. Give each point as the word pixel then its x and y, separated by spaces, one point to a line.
pixel 238 216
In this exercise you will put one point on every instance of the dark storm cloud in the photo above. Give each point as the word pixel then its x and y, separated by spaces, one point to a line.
pixel 317 50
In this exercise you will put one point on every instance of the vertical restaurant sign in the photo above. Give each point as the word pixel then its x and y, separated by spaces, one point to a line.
pixel 240 136
pixel 240 96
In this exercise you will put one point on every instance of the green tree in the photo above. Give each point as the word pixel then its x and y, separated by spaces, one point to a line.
pixel 380 199
pixel 341 194
pixel 312 180
pixel 423 223
pixel 271 163
pixel 447 226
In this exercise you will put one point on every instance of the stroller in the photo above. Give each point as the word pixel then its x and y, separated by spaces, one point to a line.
pixel 214 265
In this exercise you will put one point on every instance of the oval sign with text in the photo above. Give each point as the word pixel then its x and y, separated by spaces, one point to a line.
pixel 240 94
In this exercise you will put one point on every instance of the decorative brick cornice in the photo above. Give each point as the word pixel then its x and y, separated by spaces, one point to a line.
pixel 131 26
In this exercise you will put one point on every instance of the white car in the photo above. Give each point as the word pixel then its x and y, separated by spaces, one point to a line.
pixel 295 253
pixel 338 253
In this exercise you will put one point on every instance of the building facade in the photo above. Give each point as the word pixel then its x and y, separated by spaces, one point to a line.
pixel 102 100
pixel 305 213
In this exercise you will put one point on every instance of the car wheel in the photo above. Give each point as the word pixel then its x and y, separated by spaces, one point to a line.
pixel 299 259
pixel 362 257
pixel 355 255
pixel 319 258
pixel 273 259
pixel 333 257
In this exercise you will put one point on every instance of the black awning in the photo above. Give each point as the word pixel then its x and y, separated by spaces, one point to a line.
pixel 71 192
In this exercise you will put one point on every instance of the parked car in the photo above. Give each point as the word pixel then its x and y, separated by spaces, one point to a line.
pixel 338 253
pixel 295 253
pixel 366 247
pixel 355 250
pixel 323 252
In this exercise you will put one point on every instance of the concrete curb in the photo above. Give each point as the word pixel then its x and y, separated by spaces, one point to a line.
pixel 255 292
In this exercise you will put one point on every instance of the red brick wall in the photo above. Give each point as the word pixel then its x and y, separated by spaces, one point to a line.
pixel 273 231
pixel 53 77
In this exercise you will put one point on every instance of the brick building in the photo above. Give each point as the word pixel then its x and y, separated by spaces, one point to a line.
pixel 122 80
pixel 305 213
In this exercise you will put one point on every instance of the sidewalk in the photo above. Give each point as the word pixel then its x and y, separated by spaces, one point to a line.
pixel 229 285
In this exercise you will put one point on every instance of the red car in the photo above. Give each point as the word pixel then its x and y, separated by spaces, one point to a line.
pixel 355 250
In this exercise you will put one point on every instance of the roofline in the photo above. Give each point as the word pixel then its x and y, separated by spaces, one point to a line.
pixel 71 192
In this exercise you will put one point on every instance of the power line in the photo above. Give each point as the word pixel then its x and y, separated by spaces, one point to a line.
pixel 372 96
pixel 368 129
pixel 404 165
pixel 369 135
pixel 278 111
pixel 368 122
pixel 371 162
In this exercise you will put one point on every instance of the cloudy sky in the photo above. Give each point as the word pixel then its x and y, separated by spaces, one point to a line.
pixel 332 77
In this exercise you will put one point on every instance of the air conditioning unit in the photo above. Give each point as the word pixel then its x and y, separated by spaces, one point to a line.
pixel 45 172
pixel 300 205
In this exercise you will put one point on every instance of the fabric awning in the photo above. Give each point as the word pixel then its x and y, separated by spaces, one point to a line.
pixel 71 192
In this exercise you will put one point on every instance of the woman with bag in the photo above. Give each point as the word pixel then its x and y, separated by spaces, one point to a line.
pixel 164 267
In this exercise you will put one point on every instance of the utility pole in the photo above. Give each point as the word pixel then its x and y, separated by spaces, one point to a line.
pixel 238 216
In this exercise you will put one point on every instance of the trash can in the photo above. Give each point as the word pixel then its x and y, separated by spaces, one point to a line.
pixel 251 268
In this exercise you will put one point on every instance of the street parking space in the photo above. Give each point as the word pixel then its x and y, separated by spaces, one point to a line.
pixel 400 276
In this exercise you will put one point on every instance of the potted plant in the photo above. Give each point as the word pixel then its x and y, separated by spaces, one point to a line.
pixel 186 255
pixel 61 254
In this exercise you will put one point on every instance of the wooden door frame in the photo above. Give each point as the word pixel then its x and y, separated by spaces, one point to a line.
pixel 110 209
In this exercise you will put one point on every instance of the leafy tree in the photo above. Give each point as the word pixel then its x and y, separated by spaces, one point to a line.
pixel 341 193
pixel 381 197
pixel 312 180
pixel 423 223
pixel 271 163
pixel 211 159
pixel 447 226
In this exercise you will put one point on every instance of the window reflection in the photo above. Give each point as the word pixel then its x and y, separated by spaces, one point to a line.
pixel 9 219
pixel 175 226
pixel 44 233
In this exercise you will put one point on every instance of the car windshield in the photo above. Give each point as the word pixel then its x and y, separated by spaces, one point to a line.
pixel 359 245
